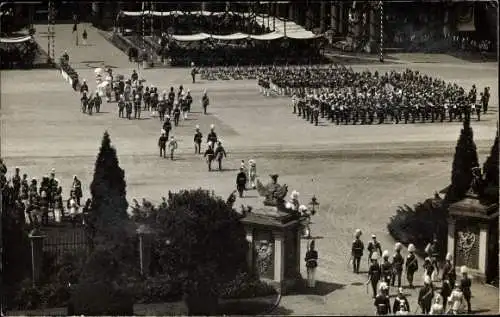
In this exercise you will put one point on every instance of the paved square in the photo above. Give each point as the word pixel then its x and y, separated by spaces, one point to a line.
pixel 360 174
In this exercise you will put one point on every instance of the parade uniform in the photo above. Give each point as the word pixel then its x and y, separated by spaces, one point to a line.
pixel 162 144
pixel 386 268
pixel 167 127
pixel 177 114
pixel 311 259
pixel 357 251
pixel 425 296
pixel 252 173
pixel 455 301
pixel 212 136
pixel 205 102
pixel 381 302
pixel 373 246
pixel 411 264
pixel 219 154
pixel 399 302
pixel 397 265
pixel 209 154
pixel 198 137
pixel 172 146
pixel 241 181
pixel 465 287
pixel 374 273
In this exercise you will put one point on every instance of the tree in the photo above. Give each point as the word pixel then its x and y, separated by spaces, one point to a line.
pixel 490 170
pixel 203 242
pixel 464 161
pixel 112 265
pixel 108 189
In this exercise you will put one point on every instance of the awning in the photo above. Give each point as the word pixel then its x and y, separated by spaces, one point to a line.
pixel 231 37
pixel 15 39
pixel 191 38
pixel 268 37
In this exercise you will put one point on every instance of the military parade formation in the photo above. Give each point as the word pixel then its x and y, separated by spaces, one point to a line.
pixel 451 298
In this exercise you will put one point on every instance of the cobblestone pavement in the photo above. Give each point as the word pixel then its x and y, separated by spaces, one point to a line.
pixel 360 174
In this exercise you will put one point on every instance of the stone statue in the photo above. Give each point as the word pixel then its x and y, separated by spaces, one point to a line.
pixel 273 192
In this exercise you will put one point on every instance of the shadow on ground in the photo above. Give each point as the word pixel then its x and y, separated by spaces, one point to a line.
pixel 253 306
pixel 322 289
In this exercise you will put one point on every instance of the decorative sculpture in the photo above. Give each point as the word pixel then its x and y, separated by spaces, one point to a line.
pixel 273 192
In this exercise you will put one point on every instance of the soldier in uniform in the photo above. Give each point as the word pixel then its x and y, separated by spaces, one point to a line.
pixel 311 259
pixel 53 185
pixel 455 300
pixel 25 189
pixel 219 153
pixel 198 137
pixel 386 268
pixel 128 106
pixel 147 99
pixel 162 144
pixel 209 154
pixel 486 96
pixel 425 296
pixel 84 100
pixel 316 114
pixel 205 101
pixel 374 273
pixel 432 251
pixel 397 265
pixel 121 107
pixel 373 246
pixel 16 183
pixel 97 102
pixel 382 302
pixel 177 114
pixel 357 251
pixel 411 264
pixel 189 100
pixel 84 87
pixel 212 136
pixel 446 289
pixel 167 126
pixel 400 301
pixel 33 191
pixel 449 270
pixel 172 146
pixel 252 172
pixel 77 189
pixel 162 108
pixel 465 285
pixel 137 107
pixel 44 207
pixel 241 181
pixel 428 268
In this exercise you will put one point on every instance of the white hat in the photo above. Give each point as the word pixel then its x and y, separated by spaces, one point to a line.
pixel 53 170
pixel 385 254
pixel 357 233
pixel 192 64
pixel 427 259
pixel 212 126
pixel 374 236
pixel 374 256
pixel 463 269
pixel 197 126
pixel 288 205
pixel 397 246
pixel 427 280
pixel 302 208
pixel 210 143
pixel 449 257
pixel 383 286
pixel 163 131
pixel 167 116
pixel 411 248
pixel 204 91
pixel 251 161
pixel 294 195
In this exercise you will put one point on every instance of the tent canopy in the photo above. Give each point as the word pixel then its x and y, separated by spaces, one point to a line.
pixel 21 39
pixel 241 36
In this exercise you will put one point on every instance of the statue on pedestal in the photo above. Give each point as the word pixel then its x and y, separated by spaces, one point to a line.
pixel 273 192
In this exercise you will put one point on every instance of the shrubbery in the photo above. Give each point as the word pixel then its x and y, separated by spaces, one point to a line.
pixel 246 286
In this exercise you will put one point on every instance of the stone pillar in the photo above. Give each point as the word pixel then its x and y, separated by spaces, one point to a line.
pixel 290 11
pixel 36 239
pixel 145 235
pixel 322 17
pixel 249 237
pixel 451 236
pixel 203 6
pixel 483 247
pixel 279 256
pixel 299 247
pixel 333 18
pixel 341 18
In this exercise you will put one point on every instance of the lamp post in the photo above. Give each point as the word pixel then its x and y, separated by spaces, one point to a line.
pixel 313 204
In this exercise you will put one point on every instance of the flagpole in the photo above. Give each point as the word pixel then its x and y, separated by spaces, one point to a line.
pixel 381 3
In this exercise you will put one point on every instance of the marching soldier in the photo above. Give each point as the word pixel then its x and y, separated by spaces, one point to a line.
pixel 162 144
pixel 162 108
pixel 205 101
pixel 449 270
pixel 446 289
pixel 373 246
pixel 198 137
pixel 212 136
pixel 252 172
pixel 425 296
pixel 167 126
pixel 219 153
pixel 16 183
pixel 84 100
pixel 411 264
pixel 25 189
pixel 77 189
pixel 382 303
pixel 121 107
pixel 128 106
pixel 357 251
pixel 465 285
pixel 397 265
pixel 97 102
pixel 400 301
pixel 172 146
pixel 486 96
pixel 84 87
pixel 241 181
pixel 147 99
pixel 428 268
pixel 432 250
pixel 177 114
pixel 374 273
pixel 316 114
pixel 137 107
pixel 386 268
pixel 209 154
pixel 33 191
pixel 189 100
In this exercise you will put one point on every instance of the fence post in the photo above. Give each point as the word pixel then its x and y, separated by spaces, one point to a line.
pixel 144 248
pixel 36 239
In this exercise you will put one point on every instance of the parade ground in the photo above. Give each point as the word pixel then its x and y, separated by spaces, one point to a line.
pixel 360 174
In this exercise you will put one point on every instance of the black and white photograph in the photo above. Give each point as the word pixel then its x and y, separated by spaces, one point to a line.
pixel 249 158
